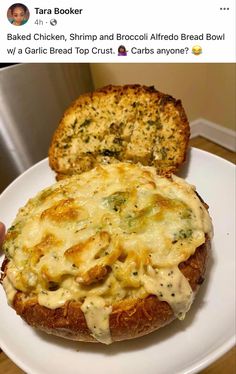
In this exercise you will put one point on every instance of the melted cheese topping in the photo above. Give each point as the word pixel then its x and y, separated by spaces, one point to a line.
pixel 113 233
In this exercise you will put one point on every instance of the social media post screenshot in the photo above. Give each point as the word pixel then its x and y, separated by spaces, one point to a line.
pixel 117 32
pixel 95 154
pixel 117 187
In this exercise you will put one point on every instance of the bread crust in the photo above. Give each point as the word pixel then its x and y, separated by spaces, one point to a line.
pixel 121 123
pixel 129 318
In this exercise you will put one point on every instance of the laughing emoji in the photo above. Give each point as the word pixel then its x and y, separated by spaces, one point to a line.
pixel 197 50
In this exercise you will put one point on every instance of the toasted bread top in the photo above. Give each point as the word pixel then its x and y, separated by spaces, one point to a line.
pixel 121 123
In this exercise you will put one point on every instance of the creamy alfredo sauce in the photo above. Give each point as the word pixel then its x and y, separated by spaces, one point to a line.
pixel 97 318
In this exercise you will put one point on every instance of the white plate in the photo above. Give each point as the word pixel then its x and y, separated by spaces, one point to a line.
pixel 182 347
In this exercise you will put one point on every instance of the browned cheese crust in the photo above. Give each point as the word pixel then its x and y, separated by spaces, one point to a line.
pixel 121 123
pixel 129 318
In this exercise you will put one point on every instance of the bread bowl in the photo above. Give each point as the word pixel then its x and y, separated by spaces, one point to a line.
pixel 121 123
pixel 105 244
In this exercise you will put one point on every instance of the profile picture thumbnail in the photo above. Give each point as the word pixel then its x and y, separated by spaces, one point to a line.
pixel 18 14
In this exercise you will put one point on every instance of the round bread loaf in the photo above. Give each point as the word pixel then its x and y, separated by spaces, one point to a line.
pixel 121 123
pixel 111 254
